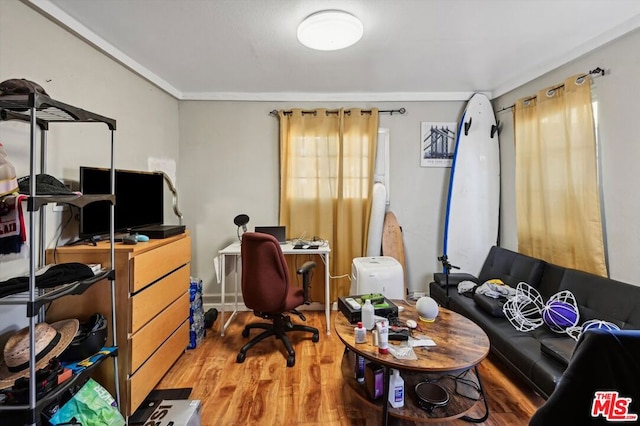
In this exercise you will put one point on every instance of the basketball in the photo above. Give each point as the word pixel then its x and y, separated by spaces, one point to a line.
pixel 559 315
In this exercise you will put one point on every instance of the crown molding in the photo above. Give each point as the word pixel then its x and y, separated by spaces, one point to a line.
pixel 60 17
pixel 626 27
pixel 330 97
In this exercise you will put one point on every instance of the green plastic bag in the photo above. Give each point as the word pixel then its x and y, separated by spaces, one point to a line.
pixel 92 405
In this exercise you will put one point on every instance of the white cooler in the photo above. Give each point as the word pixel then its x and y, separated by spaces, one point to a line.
pixel 377 274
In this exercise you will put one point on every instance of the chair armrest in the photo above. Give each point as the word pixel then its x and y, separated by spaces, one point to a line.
pixel 306 267
pixel 305 270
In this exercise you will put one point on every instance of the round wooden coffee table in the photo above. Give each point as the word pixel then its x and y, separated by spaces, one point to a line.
pixel 460 346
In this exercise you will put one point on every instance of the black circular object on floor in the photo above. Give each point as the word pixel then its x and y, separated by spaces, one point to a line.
pixel 431 396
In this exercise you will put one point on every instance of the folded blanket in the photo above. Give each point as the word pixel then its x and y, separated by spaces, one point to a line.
pixel 466 287
pixel 496 291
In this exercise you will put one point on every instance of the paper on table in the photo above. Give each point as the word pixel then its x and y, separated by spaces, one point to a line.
pixel 416 343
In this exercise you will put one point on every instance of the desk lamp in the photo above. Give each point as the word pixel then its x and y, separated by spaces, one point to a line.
pixel 241 221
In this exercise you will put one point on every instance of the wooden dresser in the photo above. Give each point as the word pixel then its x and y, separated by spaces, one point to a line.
pixel 152 309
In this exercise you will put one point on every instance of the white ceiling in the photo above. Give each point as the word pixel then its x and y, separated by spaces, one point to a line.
pixel 411 49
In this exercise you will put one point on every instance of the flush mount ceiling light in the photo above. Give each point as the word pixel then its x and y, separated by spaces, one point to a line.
pixel 330 30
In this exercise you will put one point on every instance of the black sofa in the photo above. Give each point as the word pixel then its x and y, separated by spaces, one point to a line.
pixel 540 356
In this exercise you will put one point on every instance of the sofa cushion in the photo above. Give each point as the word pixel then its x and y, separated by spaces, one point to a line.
pixel 603 298
pixel 511 267
pixel 560 348
pixel 551 280
pixel 490 305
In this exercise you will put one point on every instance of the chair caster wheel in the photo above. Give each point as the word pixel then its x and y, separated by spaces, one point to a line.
pixel 291 361
pixel 315 338
pixel 245 332
pixel 240 358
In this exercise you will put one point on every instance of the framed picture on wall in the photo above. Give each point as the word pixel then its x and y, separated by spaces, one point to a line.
pixel 437 143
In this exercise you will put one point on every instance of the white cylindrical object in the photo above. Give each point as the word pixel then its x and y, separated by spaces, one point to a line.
pixel 367 315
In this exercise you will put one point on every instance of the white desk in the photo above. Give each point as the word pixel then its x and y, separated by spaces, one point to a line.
pixel 234 250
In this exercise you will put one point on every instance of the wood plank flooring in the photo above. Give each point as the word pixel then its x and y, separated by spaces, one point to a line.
pixel 263 391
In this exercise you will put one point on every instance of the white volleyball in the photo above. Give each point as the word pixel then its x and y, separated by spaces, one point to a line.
pixel 427 308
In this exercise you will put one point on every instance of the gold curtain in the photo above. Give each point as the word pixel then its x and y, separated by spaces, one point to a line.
pixel 557 191
pixel 326 161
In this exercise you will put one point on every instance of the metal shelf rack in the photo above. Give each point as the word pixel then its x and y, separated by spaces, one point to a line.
pixel 40 111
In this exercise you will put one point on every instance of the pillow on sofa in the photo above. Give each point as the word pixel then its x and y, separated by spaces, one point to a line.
pixel 490 305
pixel 558 348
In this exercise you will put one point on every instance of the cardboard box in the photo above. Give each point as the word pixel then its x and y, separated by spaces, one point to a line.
pixel 175 412
pixel 354 315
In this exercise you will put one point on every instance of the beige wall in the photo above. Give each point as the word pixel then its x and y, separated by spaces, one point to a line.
pixel 71 71
pixel 617 96
pixel 229 165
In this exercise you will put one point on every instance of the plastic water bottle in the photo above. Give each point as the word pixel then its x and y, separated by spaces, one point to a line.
pixel 367 315
pixel 396 390
pixel 360 368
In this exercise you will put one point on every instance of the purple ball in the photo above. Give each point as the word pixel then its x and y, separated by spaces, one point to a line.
pixel 559 315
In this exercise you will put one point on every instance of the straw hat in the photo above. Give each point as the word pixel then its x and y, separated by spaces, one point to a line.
pixel 50 339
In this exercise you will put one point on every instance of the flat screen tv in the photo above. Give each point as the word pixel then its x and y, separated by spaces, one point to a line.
pixel 139 200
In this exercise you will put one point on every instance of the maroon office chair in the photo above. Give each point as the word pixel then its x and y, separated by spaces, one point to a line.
pixel 267 290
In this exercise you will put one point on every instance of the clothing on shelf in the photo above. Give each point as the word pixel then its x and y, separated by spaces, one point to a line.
pixel 12 228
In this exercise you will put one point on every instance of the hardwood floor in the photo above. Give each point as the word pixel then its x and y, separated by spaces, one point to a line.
pixel 263 391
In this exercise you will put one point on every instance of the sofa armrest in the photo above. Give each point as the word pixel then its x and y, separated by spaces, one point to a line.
pixel 454 279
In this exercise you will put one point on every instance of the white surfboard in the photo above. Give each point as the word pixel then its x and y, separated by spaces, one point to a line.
pixel 376 220
pixel 473 204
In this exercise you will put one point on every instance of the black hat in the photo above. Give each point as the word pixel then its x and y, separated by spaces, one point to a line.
pixel 20 86
pixel 45 185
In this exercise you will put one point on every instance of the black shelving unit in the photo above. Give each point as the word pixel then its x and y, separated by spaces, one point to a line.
pixel 39 111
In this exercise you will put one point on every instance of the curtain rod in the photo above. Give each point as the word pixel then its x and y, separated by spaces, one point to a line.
pixel 335 111
pixel 596 71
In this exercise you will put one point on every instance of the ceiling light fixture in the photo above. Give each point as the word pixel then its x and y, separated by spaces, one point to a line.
pixel 330 30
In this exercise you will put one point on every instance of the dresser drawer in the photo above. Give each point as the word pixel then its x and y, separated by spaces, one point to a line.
pixel 147 377
pixel 155 298
pixel 147 267
pixel 143 343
